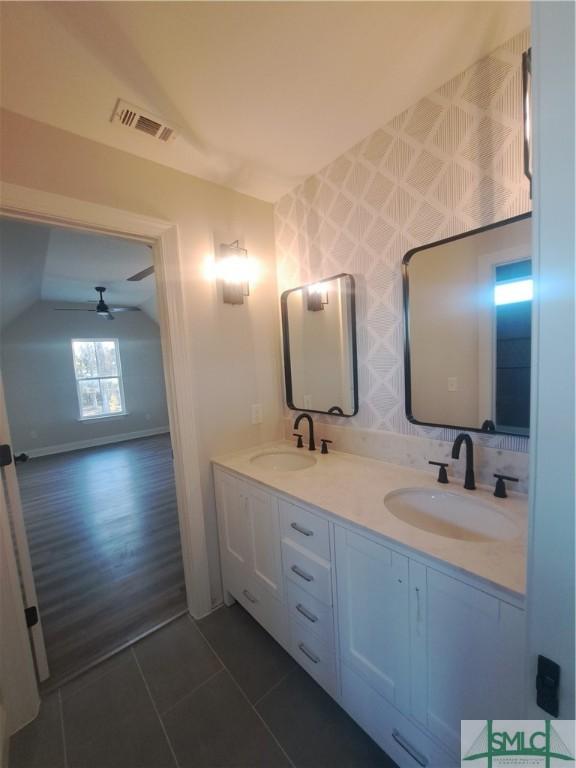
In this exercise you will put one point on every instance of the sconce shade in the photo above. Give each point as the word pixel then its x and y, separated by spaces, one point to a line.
pixel 233 269
pixel 316 297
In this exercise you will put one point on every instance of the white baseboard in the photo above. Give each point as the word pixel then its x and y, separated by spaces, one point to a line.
pixel 79 444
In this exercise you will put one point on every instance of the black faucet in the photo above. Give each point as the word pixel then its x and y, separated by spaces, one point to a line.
pixel 311 443
pixel 469 483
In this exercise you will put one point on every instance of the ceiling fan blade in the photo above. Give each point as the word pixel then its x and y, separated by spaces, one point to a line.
pixel 141 275
pixel 125 309
pixel 72 309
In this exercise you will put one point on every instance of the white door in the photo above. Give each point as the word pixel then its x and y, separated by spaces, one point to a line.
pixel 265 535
pixel 234 521
pixel 374 614
pixel 475 651
pixel 550 593
pixel 13 503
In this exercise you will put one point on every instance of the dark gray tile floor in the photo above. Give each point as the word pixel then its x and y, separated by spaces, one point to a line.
pixel 218 693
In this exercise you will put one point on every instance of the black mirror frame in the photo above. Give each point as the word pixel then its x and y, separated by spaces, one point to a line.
pixel 286 346
pixel 406 313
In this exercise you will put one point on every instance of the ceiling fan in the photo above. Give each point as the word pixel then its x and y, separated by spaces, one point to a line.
pixel 102 309
pixel 141 275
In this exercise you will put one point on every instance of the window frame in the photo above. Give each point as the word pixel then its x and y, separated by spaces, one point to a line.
pixel 118 376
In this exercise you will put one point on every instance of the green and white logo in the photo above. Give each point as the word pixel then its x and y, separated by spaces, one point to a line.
pixel 528 743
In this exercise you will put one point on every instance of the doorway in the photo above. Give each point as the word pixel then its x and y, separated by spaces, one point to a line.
pixel 88 417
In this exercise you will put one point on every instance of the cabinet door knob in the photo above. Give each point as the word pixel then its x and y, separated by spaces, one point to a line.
pixel 306 613
pixel 303 575
pixel 249 596
pixel 301 529
pixel 309 654
pixel 418 614
pixel 407 747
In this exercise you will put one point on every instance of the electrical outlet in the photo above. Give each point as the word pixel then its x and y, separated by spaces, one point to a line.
pixel 257 414
pixel 452 384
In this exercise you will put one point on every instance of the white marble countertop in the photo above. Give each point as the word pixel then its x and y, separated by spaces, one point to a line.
pixel 353 488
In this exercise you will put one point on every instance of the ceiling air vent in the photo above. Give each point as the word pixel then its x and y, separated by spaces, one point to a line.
pixel 138 119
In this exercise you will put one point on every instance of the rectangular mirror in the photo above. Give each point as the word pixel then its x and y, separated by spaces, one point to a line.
pixel 467 312
pixel 319 334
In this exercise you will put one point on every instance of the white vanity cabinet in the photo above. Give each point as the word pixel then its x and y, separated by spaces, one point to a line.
pixel 436 648
pixel 250 550
pixel 408 647
pixel 470 664
pixel 373 594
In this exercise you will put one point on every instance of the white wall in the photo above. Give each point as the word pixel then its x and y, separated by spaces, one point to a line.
pixel 21 275
pixel 39 378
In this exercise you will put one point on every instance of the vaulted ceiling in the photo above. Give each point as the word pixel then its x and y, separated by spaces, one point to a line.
pixel 43 263
pixel 262 94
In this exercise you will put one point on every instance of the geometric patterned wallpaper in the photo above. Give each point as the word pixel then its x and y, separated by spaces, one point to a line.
pixel 450 163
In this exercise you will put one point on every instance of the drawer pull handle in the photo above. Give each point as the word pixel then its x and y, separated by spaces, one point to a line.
pixel 312 656
pixel 300 529
pixel 249 596
pixel 301 573
pixel 306 613
pixel 407 747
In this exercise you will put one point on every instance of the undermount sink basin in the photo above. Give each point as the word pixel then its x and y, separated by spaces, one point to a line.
pixel 288 461
pixel 452 515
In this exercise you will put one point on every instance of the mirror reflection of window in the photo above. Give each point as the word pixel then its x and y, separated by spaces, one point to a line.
pixel 513 290
pixel 468 320
pixel 319 339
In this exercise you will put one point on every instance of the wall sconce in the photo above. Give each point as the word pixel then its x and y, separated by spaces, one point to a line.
pixel 233 269
pixel 527 110
pixel 316 297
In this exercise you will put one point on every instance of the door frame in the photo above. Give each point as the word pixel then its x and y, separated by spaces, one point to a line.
pixel 179 372
pixel 13 503
pixel 550 594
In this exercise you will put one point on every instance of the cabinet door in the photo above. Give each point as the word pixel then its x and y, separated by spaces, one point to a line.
pixel 265 539
pixel 475 655
pixel 373 614
pixel 234 521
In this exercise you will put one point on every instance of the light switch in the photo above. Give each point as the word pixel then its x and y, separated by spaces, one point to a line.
pixel 452 384
pixel 257 414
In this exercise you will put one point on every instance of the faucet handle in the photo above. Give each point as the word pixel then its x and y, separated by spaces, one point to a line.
pixel 442 474
pixel 500 489
pixel 299 444
pixel 324 442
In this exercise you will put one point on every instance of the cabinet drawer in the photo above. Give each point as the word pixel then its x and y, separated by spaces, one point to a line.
pixel 406 744
pixel 305 529
pixel 308 571
pixel 311 614
pixel 267 611
pixel 316 658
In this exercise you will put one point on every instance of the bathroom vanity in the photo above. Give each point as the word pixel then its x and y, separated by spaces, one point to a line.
pixel 411 617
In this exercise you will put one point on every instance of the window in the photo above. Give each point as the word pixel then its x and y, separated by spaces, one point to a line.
pixel 98 377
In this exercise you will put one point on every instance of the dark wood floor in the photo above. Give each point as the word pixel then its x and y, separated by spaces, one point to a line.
pixel 102 528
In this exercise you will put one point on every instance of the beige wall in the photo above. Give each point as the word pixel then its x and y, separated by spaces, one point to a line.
pixel 235 348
